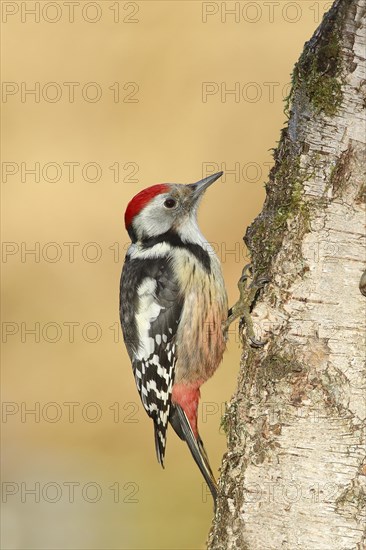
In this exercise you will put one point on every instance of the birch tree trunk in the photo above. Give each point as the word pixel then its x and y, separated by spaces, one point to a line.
pixel 294 475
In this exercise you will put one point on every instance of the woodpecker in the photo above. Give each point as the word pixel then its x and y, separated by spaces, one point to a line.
pixel 173 306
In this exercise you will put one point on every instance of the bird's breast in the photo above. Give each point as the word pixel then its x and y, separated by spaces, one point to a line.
pixel 200 340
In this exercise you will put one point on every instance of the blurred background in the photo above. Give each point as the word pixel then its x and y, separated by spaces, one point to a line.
pixel 101 99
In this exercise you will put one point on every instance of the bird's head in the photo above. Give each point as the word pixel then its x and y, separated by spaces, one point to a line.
pixel 166 207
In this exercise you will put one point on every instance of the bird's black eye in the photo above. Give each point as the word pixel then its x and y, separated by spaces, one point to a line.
pixel 170 203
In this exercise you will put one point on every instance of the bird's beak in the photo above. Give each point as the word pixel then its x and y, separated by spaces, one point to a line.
pixel 200 187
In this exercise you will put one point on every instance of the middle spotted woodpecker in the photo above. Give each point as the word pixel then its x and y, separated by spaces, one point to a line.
pixel 173 307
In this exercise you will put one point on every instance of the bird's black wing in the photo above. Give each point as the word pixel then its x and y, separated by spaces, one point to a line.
pixel 150 310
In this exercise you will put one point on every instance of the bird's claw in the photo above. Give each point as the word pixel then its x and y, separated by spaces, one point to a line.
pixel 257 343
pixel 244 305
pixel 247 271
pixel 260 282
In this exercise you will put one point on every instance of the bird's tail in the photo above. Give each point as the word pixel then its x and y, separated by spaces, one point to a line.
pixel 160 442
pixel 182 427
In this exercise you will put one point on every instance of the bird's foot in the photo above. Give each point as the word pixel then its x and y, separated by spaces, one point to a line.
pixel 249 286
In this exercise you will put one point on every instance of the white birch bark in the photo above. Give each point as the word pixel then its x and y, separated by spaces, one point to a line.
pixel 294 475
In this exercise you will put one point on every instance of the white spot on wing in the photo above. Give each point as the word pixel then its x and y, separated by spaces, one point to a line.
pixel 163 373
pixel 147 311
pixel 151 385
pixel 148 286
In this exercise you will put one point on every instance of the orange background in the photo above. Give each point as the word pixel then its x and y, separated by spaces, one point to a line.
pixel 170 133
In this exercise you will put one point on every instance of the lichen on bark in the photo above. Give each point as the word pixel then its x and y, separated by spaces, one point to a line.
pixel 319 71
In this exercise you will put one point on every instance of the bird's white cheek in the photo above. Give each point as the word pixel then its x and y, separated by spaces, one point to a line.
pixel 150 224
